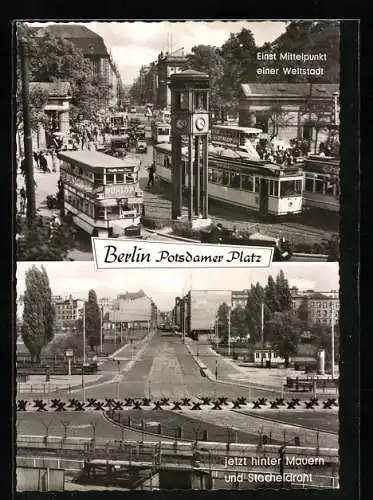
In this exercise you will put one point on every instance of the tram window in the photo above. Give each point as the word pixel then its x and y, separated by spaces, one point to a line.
pixel 275 188
pixel 130 179
pixel 298 186
pixel 257 184
pixel 247 182
pixel 119 179
pixel 210 174
pixel 235 180
pixel 109 178
pixel 309 184
pixel 242 139
pixel 225 178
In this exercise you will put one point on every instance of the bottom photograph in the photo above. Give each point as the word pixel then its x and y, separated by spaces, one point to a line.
pixel 200 379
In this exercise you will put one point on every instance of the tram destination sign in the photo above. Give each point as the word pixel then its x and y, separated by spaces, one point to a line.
pixel 119 190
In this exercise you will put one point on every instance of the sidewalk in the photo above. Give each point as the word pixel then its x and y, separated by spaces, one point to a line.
pixel 235 373
pixel 37 383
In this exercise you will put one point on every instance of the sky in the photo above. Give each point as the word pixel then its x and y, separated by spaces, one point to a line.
pixel 164 285
pixel 134 44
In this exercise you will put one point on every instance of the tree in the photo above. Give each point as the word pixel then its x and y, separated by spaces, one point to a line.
pixel 285 330
pixel 319 115
pixel 223 318
pixel 92 320
pixel 283 293
pixel 207 59
pixel 310 37
pixel 239 321
pixel 240 62
pixel 255 300
pixel 270 296
pixel 38 314
pixel 278 118
pixel 36 242
pixel 303 312
pixel 54 59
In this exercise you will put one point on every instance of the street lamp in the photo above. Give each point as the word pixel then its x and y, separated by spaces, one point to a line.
pixel 262 331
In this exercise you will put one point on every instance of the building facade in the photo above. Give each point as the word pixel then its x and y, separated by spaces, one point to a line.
pixel 95 50
pixel 290 110
pixel 68 311
pixel 154 78
pixel 135 310
pixel 321 308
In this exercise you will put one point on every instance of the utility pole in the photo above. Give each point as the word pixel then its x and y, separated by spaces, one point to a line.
pixel 84 360
pixel 29 167
pixel 332 333
pixel 229 330
pixel 101 330
pixel 262 330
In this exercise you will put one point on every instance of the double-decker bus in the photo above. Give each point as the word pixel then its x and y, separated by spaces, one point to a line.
pixel 261 187
pixel 102 193
pixel 161 132
pixel 242 139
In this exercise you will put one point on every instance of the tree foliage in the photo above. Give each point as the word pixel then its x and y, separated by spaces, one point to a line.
pixel 36 242
pixel 286 329
pixel 38 314
pixel 92 320
pixel 53 59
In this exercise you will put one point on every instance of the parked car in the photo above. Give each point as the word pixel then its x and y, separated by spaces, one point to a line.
pixel 133 109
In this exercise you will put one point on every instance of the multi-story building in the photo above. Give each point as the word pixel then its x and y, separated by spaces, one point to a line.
pixel 196 312
pixel 94 49
pixel 68 311
pixel 322 308
pixel 134 310
pixel 154 78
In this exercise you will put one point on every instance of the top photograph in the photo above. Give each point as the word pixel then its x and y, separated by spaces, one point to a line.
pixel 213 132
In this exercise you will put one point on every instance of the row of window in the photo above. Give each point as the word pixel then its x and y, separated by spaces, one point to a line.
pixel 200 101
pixel 98 179
pixel 98 213
pixel 330 304
pixel 322 185
pixel 246 182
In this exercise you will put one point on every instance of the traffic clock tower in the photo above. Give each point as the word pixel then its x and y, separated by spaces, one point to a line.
pixel 190 126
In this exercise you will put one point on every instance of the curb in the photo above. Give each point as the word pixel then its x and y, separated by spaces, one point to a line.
pixel 227 382
pixel 123 426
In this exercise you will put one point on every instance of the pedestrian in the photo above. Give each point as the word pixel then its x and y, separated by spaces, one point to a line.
pixel 43 162
pixel 22 193
pixel 151 171
pixel 36 158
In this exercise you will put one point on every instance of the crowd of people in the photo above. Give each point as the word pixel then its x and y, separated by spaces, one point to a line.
pixel 298 148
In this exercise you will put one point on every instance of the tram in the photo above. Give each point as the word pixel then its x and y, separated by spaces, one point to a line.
pixel 322 188
pixel 256 185
pixel 161 132
pixel 101 193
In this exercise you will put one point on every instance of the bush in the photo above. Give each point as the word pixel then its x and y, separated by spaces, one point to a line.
pixel 35 242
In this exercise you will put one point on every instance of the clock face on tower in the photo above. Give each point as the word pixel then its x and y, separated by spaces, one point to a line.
pixel 200 123
pixel 180 124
